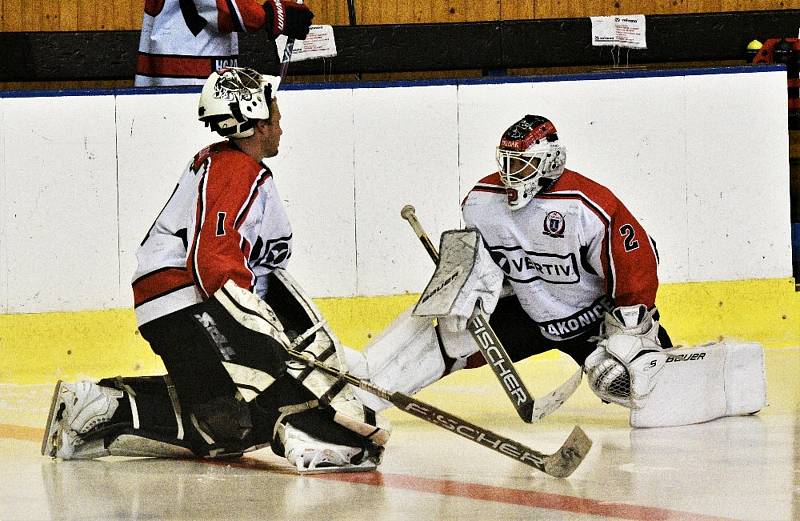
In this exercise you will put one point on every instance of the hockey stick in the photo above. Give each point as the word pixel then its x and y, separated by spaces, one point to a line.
pixel 527 406
pixel 287 54
pixel 485 338
pixel 351 11
pixel 560 464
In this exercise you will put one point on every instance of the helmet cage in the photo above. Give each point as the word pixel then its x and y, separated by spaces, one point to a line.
pixel 525 173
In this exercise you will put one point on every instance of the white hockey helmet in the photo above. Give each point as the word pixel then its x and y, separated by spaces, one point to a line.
pixel 233 98
pixel 530 158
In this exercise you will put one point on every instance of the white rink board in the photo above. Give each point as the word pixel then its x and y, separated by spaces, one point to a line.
pixel 701 162
pixel 154 147
pixel 738 182
pixel 315 175
pixel 405 154
pixel 60 204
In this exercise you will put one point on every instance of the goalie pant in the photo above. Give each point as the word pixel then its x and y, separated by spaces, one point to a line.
pixel 229 385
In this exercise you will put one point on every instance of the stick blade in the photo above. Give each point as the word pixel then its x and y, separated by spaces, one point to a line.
pixel 570 455
pixel 526 411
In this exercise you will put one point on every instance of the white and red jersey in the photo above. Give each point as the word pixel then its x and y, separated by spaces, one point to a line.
pixel 571 254
pixel 184 41
pixel 225 220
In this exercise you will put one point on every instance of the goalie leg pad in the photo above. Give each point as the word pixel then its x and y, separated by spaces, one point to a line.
pixel 700 384
pixel 406 357
pixel 137 416
pixel 151 421
pixel 287 316
pixel 287 401
pixel 300 314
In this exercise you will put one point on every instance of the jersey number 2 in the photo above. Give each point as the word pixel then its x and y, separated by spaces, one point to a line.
pixel 627 231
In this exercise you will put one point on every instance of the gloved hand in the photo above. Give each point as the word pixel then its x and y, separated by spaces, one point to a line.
pixel 287 17
pixel 628 358
pixel 482 290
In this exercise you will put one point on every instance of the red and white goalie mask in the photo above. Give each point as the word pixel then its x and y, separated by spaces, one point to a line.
pixel 530 159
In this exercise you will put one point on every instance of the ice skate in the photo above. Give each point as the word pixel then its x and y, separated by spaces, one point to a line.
pixel 310 455
pixel 77 409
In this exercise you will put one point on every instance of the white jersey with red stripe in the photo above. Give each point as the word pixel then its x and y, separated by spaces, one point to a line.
pixel 183 41
pixel 224 220
pixel 571 254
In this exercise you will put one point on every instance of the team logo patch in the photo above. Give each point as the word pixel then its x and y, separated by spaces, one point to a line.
pixel 554 225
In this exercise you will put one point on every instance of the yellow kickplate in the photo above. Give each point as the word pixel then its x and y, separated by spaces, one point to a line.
pixel 45 347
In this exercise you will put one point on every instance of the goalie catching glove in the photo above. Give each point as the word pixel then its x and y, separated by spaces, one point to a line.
pixel 466 279
pixel 628 358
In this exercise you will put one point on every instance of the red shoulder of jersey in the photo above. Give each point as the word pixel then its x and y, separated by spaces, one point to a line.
pixel 491 184
pixel 629 259
pixel 572 182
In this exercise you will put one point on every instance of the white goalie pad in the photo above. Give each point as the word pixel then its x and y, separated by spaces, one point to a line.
pixel 256 314
pixel 405 357
pixel 703 383
pixel 327 348
pixel 465 277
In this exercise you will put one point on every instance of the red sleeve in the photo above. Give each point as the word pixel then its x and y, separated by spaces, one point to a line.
pixel 225 197
pixel 627 255
pixel 632 275
pixel 240 16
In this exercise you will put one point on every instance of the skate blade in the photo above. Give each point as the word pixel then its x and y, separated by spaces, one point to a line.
pixel 329 470
pixel 51 429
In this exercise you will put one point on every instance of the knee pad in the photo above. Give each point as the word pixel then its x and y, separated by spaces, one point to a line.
pixel 224 423
pixel 251 342
pixel 289 401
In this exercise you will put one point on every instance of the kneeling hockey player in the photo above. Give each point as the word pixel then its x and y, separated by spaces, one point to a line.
pixel 214 301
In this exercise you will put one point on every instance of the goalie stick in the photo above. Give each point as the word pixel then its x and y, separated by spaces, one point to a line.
pixel 528 407
pixel 484 336
pixel 560 464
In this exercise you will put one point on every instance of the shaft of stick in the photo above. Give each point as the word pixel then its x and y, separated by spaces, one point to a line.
pixel 559 464
pixel 287 54
pixel 351 11
pixel 408 213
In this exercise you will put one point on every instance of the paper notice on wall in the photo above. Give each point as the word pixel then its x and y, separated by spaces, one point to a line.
pixel 319 43
pixel 620 31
